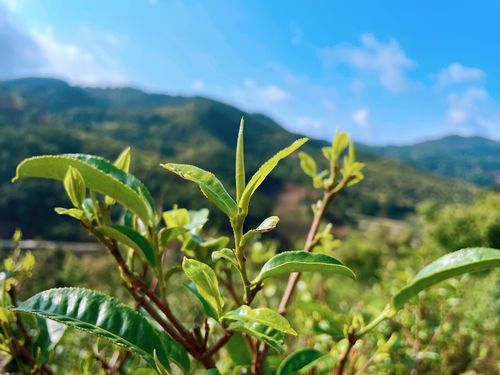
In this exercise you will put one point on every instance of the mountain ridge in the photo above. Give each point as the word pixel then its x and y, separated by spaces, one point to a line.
pixel 50 117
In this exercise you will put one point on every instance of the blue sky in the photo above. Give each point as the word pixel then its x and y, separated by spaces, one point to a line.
pixel 386 71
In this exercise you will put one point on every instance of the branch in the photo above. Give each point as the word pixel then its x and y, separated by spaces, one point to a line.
pixel 219 344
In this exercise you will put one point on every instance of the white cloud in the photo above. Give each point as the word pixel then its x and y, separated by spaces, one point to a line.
pixel 457 73
pixel 70 61
pixel 387 60
pixel 198 85
pixel 463 108
pixel 307 123
pixel 360 117
pixel 268 93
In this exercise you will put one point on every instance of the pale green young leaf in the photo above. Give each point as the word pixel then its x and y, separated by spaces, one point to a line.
pixel 265 316
pixel 99 175
pixel 123 160
pixel 130 238
pixel 264 171
pixel 205 280
pixel 210 186
pixel 177 217
pixel 102 316
pixel 327 153
pixel 227 254
pixel 268 224
pixel 240 162
pixel 75 213
pixel 302 261
pixel 339 144
pixel 271 336
pixel 75 186
pixel 207 307
pixel 449 265
pixel 307 164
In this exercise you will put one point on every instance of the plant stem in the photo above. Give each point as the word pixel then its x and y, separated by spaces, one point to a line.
pixel 258 366
pixel 240 256
pixel 351 340
pixel 175 328
pixel 386 313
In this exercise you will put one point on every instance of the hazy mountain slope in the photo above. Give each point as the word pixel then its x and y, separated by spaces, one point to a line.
pixel 472 159
pixel 39 116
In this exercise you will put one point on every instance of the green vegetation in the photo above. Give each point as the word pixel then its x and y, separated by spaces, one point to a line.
pixel 472 159
pixel 233 313
pixel 47 117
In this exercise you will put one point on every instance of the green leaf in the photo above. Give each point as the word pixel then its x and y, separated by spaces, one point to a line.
pixel 75 186
pixel 206 282
pixel 123 160
pixel 297 361
pixel 102 316
pixel 178 217
pixel 264 171
pixel 207 307
pixel 265 316
pixel 240 162
pixel 226 254
pixel 99 175
pixel 270 336
pixel 73 212
pixel 238 350
pixel 209 185
pixel 450 265
pixel 268 224
pixel 339 144
pixel 130 238
pixel 169 234
pixel 302 261
pixel 307 164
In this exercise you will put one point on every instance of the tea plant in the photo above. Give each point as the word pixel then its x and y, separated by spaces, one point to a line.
pixel 154 250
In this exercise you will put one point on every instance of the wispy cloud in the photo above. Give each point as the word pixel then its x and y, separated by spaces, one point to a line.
pixel 70 61
pixel 463 107
pixel 360 117
pixel 387 60
pixel 198 85
pixel 457 73
pixel 19 52
pixel 263 93
pixel 306 122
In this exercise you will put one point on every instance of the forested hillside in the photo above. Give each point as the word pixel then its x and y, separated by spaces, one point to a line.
pixel 46 116
pixel 472 159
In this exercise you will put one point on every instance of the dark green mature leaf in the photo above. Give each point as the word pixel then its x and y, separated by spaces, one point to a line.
pixel 238 350
pixel 302 261
pixel 264 171
pixel 270 336
pixel 297 361
pixel 240 162
pixel 131 238
pixel 450 265
pixel 103 316
pixel 206 282
pixel 209 185
pixel 262 315
pixel 99 175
